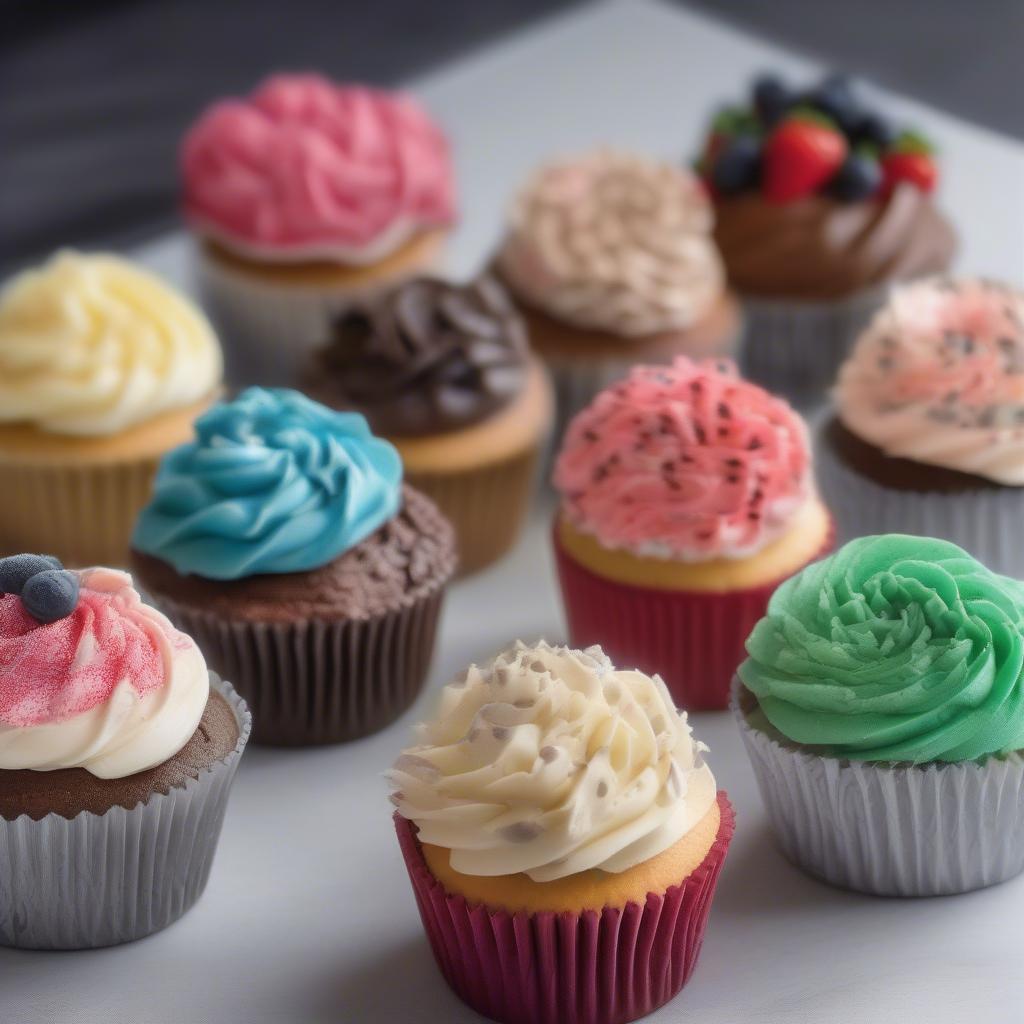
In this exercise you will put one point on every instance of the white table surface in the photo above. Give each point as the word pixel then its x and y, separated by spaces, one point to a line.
pixel 308 916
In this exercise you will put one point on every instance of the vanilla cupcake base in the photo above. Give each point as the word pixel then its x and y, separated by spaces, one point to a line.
pixel 271 316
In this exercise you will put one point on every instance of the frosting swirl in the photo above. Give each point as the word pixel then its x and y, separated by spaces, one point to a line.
pixel 820 248
pixel 614 242
pixel 550 761
pixel 113 687
pixel 306 169
pixel 687 462
pixel 427 357
pixel 273 483
pixel 938 378
pixel 92 345
pixel 894 649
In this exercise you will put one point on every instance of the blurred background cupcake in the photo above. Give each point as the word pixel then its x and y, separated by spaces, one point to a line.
pixel 103 368
pixel 928 431
pixel 283 540
pixel 820 203
pixel 302 196
pixel 443 371
pixel 117 753
pixel 568 802
pixel 610 258
pixel 687 496
pixel 882 706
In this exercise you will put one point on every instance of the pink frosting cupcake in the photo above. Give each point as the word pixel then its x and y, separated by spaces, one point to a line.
pixel 687 496
pixel 304 195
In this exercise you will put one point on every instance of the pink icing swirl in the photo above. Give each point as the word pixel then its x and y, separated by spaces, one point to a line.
pixel 49 673
pixel 687 462
pixel 307 168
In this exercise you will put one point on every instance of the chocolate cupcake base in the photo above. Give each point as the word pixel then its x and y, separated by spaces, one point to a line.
pixel 103 879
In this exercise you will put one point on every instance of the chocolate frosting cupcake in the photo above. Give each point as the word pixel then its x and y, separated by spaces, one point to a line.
pixel 430 356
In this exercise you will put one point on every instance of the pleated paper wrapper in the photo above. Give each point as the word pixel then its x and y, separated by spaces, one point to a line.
pixel 795 349
pixel 892 830
pixel 268 329
pixel 100 880
pixel 83 513
pixel 692 639
pixel 319 681
pixel 605 966
pixel 986 522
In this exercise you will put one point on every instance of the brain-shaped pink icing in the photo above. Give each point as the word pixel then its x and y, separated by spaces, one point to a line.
pixel 313 168
pixel 49 673
pixel 688 461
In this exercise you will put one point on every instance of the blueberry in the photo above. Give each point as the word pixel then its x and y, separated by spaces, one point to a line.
pixel 859 177
pixel 771 98
pixel 50 595
pixel 876 130
pixel 738 166
pixel 16 569
pixel 835 98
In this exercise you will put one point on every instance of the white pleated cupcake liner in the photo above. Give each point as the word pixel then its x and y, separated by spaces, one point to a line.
pixel 986 522
pixel 892 830
pixel 795 349
pixel 104 879
pixel 268 329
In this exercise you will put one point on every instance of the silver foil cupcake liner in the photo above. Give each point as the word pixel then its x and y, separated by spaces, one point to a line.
pixel 104 879
pixel 795 349
pixel 985 522
pixel 892 830
pixel 316 682
pixel 267 328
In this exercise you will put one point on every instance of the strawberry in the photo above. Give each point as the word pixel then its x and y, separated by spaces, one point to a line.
pixel 801 155
pixel 911 158
pixel 726 124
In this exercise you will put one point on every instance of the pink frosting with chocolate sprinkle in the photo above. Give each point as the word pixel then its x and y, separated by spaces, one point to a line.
pixel 305 168
pixel 49 673
pixel 686 462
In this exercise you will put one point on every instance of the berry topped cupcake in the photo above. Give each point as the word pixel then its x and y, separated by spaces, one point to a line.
pixel 103 368
pixel 928 433
pixel 611 260
pixel 566 804
pixel 443 371
pixel 283 539
pixel 303 195
pixel 882 705
pixel 117 752
pixel 820 204
pixel 687 496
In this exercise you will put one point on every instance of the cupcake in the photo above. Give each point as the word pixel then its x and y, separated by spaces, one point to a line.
pixel 610 258
pixel 687 496
pixel 882 706
pixel 117 753
pixel 443 371
pixel 283 540
pixel 820 205
pixel 103 368
pixel 303 196
pixel 928 432
pixel 563 837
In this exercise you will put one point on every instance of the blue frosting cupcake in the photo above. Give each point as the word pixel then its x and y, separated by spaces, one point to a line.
pixel 284 540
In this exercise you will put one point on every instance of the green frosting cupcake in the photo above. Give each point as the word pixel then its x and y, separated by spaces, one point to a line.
pixel 896 648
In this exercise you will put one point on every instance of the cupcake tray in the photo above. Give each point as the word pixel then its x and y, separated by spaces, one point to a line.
pixel 309 917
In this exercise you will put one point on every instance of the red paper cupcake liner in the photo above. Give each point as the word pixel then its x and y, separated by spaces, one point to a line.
pixel 693 639
pixel 594 967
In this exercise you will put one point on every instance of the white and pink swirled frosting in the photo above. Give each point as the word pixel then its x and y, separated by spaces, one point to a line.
pixel 687 462
pixel 307 169
pixel 938 377
pixel 113 688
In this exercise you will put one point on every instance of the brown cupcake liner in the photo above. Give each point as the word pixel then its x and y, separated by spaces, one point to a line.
pixel 83 514
pixel 317 681
pixel 486 504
